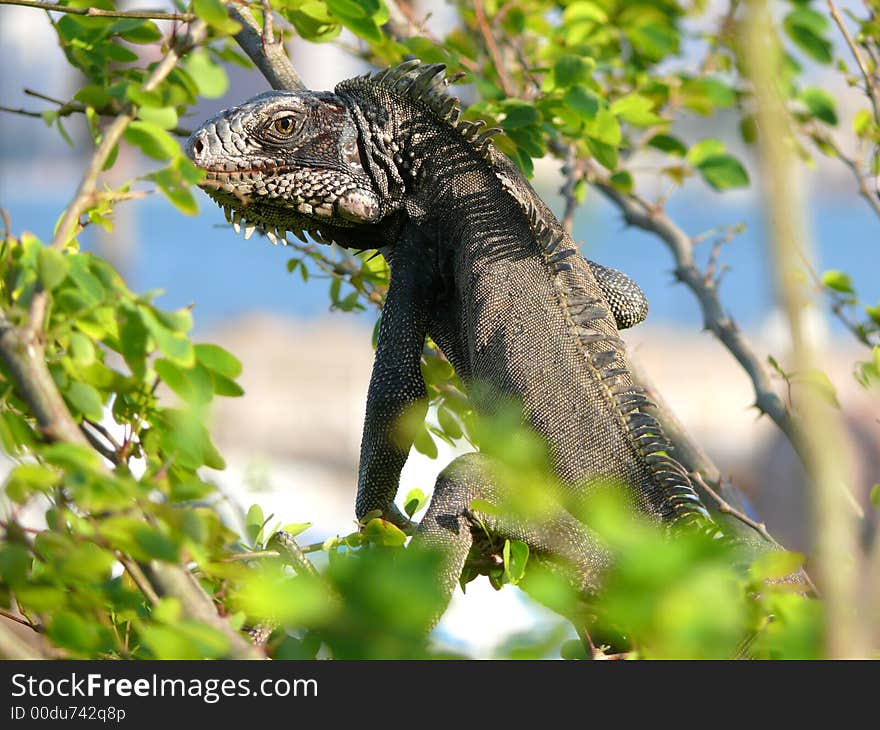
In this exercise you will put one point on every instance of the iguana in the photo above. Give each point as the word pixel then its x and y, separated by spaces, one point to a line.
pixel 480 264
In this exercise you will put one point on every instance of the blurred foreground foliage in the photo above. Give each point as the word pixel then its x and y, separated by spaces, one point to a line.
pixel 603 81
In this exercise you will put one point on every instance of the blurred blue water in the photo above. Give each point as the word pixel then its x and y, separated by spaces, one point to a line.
pixel 201 260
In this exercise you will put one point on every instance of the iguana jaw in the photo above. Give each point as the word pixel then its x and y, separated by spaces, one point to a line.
pixel 286 162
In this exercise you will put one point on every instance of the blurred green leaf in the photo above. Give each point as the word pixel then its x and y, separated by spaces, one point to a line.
pixel 723 172
pixel 821 104
pixel 516 556
pixel 839 281
pixel 152 140
pixel 209 76
pixel 807 27
pixel 53 267
pixel 382 532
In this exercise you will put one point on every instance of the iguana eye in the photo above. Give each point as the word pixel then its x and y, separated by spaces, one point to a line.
pixel 283 126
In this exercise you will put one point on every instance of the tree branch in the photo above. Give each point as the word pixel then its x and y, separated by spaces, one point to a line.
pixel 494 52
pixel 18 620
pixel 99 13
pixel 572 169
pixel 270 58
pixel 820 137
pixel 642 214
pixel 871 87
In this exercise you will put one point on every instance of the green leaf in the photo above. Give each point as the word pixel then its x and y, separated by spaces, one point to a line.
pixel 52 266
pixel 668 144
pixel 622 181
pixel 582 102
pixel 382 532
pixel 85 400
pixel 312 21
pixel 821 104
pixel 807 28
pixel 516 555
pixel 253 523
pixel 81 349
pixel 605 154
pixel 295 528
pixel 214 13
pixel 704 149
pixel 193 384
pixel 637 110
pixel 25 479
pixel 570 70
pixel 14 564
pixel 519 114
pixel 604 128
pixel 152 140
pixel 821 384
pixel 218 360
pixel 137 31
pixel 583 10
pixel 210 77
pixel 776 565
pixel 862 122
pixel 176 346
pixel 706 95
pixel 875 495
pixel 71 631
pixel 414 501
pixel 839 281
pixel 748 129
pixel 424 444
pixel 225 387
pixel 164 117
pixel 723 172
pixel 357 16
pixel 449 424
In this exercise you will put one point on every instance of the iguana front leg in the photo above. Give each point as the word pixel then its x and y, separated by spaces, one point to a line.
pixel 557 541
pixel 397 388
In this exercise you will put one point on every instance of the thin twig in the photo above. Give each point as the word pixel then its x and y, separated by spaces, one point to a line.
pixel 861 176
pixel 268 34
pixel 492 47
pixel 23 112
pixel 99 446
pixel 140 580
pixel 100 13
pixel 572 170
pixel 19 620
pixel 403 25
pixel 69 108
pixel 101 429
pixel 871 87
pixel 255 555
pixel 726 508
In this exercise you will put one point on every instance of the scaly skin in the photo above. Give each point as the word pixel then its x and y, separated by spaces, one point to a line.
pixel 479 263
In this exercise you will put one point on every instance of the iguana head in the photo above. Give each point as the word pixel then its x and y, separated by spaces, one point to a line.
pixel 288 161
pixel 336 164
